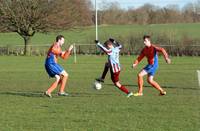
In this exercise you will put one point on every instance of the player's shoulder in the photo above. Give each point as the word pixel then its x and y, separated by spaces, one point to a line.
pixel 155 45
pixel 56 49
pixel 55 45
pixel 144 49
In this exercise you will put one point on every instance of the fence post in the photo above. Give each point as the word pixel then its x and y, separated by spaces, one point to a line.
pixel 8 50
pixel 74 53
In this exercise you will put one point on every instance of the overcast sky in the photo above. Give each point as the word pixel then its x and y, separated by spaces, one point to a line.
pixel 137 3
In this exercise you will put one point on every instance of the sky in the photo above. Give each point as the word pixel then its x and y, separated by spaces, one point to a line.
pixel 137 3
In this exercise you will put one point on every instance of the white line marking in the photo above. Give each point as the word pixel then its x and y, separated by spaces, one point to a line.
pixel 198 75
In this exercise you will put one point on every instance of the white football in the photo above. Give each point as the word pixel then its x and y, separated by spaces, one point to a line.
pixel 97 85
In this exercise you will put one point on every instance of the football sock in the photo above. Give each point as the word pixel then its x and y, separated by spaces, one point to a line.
pixel 124 89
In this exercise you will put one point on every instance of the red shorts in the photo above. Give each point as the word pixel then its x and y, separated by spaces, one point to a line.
pixel 115 76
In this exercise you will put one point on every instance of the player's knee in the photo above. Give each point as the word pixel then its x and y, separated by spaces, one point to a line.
pixel 140 75
pixel 107 64
pixel 64 74
pixel 150 81
pixel 57 78
pixel 117 84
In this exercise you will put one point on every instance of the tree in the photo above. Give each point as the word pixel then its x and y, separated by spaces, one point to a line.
pixel 188 13
pixel 83 11
pixel 111 13
pixel 26 17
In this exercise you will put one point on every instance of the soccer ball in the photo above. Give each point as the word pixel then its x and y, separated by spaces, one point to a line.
pixel 97 85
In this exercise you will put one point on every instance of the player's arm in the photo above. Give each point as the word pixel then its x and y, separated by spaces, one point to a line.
pixel 140 57
pixel 107 51
pixel 116 44
pixel 66 54
pixel 164 53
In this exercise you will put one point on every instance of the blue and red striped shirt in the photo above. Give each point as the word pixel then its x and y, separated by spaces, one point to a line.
pixel 113 56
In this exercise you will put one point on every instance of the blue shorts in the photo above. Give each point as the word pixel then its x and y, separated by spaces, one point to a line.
pixel 151 69
pixel 53 69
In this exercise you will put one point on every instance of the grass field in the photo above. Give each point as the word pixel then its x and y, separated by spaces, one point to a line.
pixel 24 108
pixel 87 34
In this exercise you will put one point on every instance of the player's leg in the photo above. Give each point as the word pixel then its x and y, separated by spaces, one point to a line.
pixel 60 81
pixel 141 74
pixel 64 77
pixel 151 72
pixel 115 79
pixel 53 86
pixel 52 72
pixel 106 68
pixel 155 84
pixel 121 87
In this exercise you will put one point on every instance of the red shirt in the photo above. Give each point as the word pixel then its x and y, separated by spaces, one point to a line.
pixel 149 52
pixel 56 51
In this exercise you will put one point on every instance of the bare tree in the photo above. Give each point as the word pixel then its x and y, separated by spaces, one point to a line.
pixel 112 13
pixel 26 17
pixel 83 10
pixel 188 13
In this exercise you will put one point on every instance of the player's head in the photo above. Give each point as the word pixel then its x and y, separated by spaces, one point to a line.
pixel 60 39
pixel 147 40
pixel 108 44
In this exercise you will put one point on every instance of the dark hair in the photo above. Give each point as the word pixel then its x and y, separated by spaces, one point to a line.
pixel 146 36
pixel 106 43
pixel 59 37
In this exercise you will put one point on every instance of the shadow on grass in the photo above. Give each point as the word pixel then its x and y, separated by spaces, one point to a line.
pixel 41 94
pixel 92 94
pixel 26 94
pixel 169 87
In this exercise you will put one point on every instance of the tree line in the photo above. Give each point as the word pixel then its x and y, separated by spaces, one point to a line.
pixel 112 13
pixel 26 17
pixel 63 14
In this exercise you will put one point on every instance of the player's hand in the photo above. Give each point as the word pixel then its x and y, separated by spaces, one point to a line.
pixel 96 41
pixel 71 47
pixel 168 61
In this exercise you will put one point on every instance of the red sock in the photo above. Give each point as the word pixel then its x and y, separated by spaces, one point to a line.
pixel 124 89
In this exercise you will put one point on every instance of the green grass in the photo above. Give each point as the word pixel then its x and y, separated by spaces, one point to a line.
pixel 24 108
pixel 87 34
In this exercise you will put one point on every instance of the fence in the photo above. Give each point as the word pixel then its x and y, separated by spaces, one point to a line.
pixel 41 50
pixel 37 50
